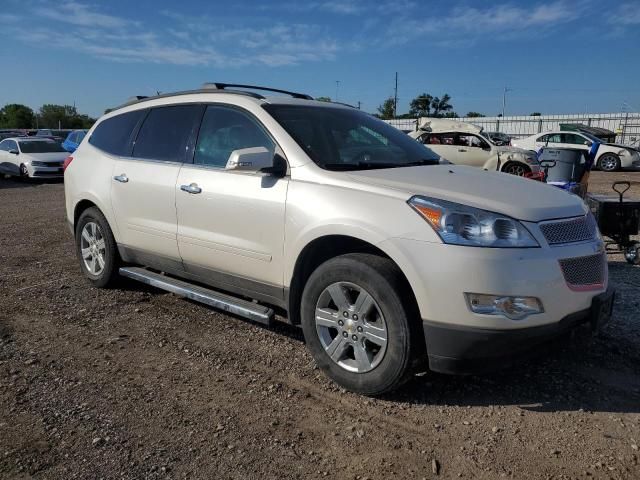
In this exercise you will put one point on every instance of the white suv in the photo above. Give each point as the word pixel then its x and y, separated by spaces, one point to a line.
pixel 339 222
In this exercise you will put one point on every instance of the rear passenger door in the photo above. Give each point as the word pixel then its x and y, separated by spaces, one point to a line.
pixel 143 190
pixel 231 223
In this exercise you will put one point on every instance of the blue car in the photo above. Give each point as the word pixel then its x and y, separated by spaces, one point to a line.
pixel 73 140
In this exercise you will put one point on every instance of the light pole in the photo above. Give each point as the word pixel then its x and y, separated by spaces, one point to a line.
pixel 337 86
pixel 504 99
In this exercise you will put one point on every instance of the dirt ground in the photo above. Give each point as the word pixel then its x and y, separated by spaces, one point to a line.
pixel 137 383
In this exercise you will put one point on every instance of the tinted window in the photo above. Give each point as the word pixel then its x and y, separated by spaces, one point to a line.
pixel 113 134
pixel 165 133
pixel 41 147
pixel 224 130
pixel 348 139
pixel 573 138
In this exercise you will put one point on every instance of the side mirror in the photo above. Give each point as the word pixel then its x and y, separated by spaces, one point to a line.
pixel 587 143
pixel 252 159
pixel 14 152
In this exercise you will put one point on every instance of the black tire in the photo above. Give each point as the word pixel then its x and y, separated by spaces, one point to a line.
pixel 632 253
pixel 382 280
pixel 516 168
pixel 24 173
pixel 108 275
pixel 609 162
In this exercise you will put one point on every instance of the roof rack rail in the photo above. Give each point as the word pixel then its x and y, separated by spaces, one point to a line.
pixel 223 86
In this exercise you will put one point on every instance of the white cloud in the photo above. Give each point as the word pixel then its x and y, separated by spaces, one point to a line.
pixel 477 21
pixel 80 14
pixel 193 41
pixel 627 14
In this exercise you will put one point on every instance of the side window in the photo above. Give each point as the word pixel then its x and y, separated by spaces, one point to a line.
pixel 113 134
pixel 542 139
pixel 165 133
pixel 4 146
pixel 554 138
pixel 224 130
pixel 573 139
pixel 11 145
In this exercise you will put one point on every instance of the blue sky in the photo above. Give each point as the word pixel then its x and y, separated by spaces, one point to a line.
pixel 557 56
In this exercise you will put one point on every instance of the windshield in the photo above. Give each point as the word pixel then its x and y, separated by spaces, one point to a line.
pixel 40 147
pixel 348 139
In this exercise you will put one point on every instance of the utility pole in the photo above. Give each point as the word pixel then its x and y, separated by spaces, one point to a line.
pixel 358 104
pixel 337 86
pixel 395 99
pixel 504 99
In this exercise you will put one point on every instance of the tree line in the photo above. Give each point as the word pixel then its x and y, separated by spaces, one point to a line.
pixel 15 115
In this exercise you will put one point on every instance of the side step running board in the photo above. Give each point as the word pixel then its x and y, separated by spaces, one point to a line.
pixel 221 301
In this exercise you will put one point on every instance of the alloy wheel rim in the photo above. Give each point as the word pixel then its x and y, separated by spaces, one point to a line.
pixel 608 163
pixel 351 327
pixel 517 170
pixel 93 248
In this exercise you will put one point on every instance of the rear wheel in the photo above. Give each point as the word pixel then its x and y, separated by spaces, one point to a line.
pixel 609 162
pixel 516 168
pixel 96 248
pixel 357 322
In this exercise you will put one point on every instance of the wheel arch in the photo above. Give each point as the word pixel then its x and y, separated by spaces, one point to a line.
pixel 87 202
pixel 323 248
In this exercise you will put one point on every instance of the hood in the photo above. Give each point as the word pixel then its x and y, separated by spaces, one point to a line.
pixel 517 197
pixel 443 125
pixel 46 157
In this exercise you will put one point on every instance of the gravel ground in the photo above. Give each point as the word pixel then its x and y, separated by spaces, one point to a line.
pixel 137 383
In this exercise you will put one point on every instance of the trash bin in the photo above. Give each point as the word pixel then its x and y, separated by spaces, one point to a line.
pixel 566 168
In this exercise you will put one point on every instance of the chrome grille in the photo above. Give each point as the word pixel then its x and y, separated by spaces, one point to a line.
pixel 585 273
pixel 569 231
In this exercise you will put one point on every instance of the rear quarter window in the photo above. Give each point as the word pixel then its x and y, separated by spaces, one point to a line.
pixel 113 135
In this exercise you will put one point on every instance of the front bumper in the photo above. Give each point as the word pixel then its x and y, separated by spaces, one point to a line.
pixel 54 171
pixel 468 350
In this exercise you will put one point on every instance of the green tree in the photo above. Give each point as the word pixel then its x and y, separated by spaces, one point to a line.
pixel 323 99
pixel 57 116
pixel 535 114
pixel 474 115
pixel 15 115
pixel 421 106
pixel 387 109
pixel 441 105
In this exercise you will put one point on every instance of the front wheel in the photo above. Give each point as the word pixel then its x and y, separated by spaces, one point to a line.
pixel 359 323
pixel 632 253
pixel 516 168
pixel 609 162
pixel 96 248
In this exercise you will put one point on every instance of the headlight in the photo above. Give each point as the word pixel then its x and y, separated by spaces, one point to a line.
pixel 461 225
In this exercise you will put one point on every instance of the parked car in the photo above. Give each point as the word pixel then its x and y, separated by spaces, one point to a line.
pixel 610 156
pixel 44 132
pixel 339 222
pixel 31 157
pixel 463 143
pixel 499 138
pixel 73 140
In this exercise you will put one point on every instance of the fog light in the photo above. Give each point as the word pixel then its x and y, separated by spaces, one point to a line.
pixel 515 308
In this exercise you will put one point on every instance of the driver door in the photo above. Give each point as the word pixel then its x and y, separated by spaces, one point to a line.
pixel 472 150
pixel 231 223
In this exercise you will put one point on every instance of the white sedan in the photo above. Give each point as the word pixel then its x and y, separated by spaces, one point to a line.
pixel 610 156
pixel 31 157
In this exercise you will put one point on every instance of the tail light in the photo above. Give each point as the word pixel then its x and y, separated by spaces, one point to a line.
pixel 67 162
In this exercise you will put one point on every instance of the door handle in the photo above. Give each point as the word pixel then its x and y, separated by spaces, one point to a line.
pixel 192 188
pixel 461 150
pixel 122 178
